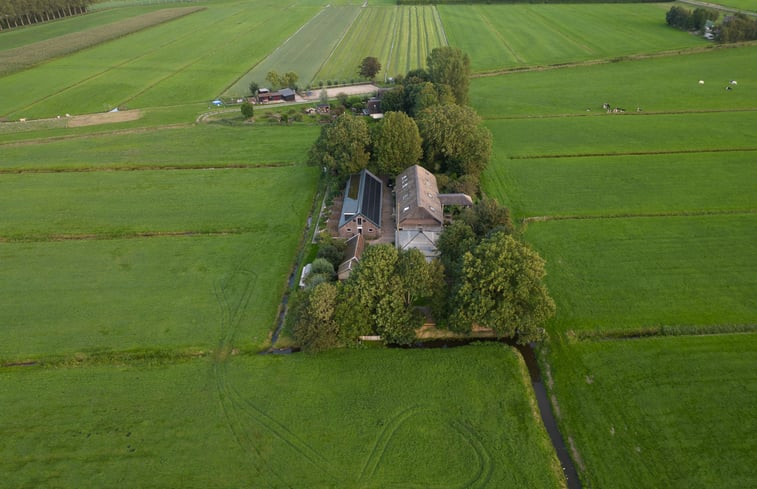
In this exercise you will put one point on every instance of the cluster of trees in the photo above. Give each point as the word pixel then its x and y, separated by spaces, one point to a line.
pixel 378 298
pixel 425 121
pixel 737 28
pixel 492 278
pixel 686 19
pixel 485 277
pixel 14 13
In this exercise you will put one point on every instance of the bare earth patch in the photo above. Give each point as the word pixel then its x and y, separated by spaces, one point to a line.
pixel 106 118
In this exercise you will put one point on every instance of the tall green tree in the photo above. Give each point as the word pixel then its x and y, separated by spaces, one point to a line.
pixel 397 143
pixel 383 289
pixel 315 328
pixel 369 67
pixel 454 139
pixel 450 66
pixel 501 287
pixel 342 146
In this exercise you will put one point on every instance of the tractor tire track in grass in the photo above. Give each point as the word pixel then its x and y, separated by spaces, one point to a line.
pixel 486 467
pixel 233 293
pixel 498 35
pixel 382 441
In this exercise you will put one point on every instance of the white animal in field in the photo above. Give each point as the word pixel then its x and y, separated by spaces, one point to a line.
pixel 701 82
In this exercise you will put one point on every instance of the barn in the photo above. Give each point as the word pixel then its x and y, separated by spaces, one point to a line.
pixel 361 209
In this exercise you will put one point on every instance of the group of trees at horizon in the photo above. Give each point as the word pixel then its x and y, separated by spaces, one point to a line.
pixel 734 27
pixel 16 13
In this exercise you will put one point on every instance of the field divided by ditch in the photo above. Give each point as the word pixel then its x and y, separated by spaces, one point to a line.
pixel 145 263
pixel 647 221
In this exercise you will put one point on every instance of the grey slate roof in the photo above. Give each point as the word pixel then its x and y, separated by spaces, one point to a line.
pixel 286 92
pixel 362 195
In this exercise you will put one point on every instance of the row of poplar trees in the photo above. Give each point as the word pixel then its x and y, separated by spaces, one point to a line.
pixel 17 13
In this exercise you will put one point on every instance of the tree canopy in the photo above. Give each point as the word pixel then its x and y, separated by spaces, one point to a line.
pixel 501 287
pixel 342 146
pixel 397 143
pixel 369 67
pixel 450 66
pixel 454 139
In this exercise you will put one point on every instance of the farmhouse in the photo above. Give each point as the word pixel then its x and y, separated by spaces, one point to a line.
pixel 352 254
pixel 420 214
pixel 361 209
pixel 418 205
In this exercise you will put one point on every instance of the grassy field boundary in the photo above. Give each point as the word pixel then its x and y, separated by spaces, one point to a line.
pixel 616 59
pixel 526 220
pixel 21 58
pixel 666 330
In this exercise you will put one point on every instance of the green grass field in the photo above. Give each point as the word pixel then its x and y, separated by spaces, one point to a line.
pixel 187 60
pixel 615 274
pixel 202 146
pixel 49 30
pixel 90 296
pixel 21 58
pixel 740 4
pixel 507 36
pixel 363 419
pixel 656 85
pixel 661 412
pixel 122 203
pixel 620 134
pixel 624 185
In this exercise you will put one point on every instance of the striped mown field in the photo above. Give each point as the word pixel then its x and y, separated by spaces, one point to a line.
pixel 507 36
pixel 400 37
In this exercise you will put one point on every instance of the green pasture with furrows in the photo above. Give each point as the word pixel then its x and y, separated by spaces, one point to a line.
pixel 669 83
pixel 201 146
pixel 369 419
pixel 624 185
pixel 631 273
pixel 507 36
pixel 186 60
pixel 674 412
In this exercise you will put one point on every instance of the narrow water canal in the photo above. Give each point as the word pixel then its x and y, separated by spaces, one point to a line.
pixel 542 400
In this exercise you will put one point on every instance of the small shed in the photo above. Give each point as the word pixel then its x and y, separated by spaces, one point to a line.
pixel 287 94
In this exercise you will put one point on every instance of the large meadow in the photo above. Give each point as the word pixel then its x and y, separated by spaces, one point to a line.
pixel 143 262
